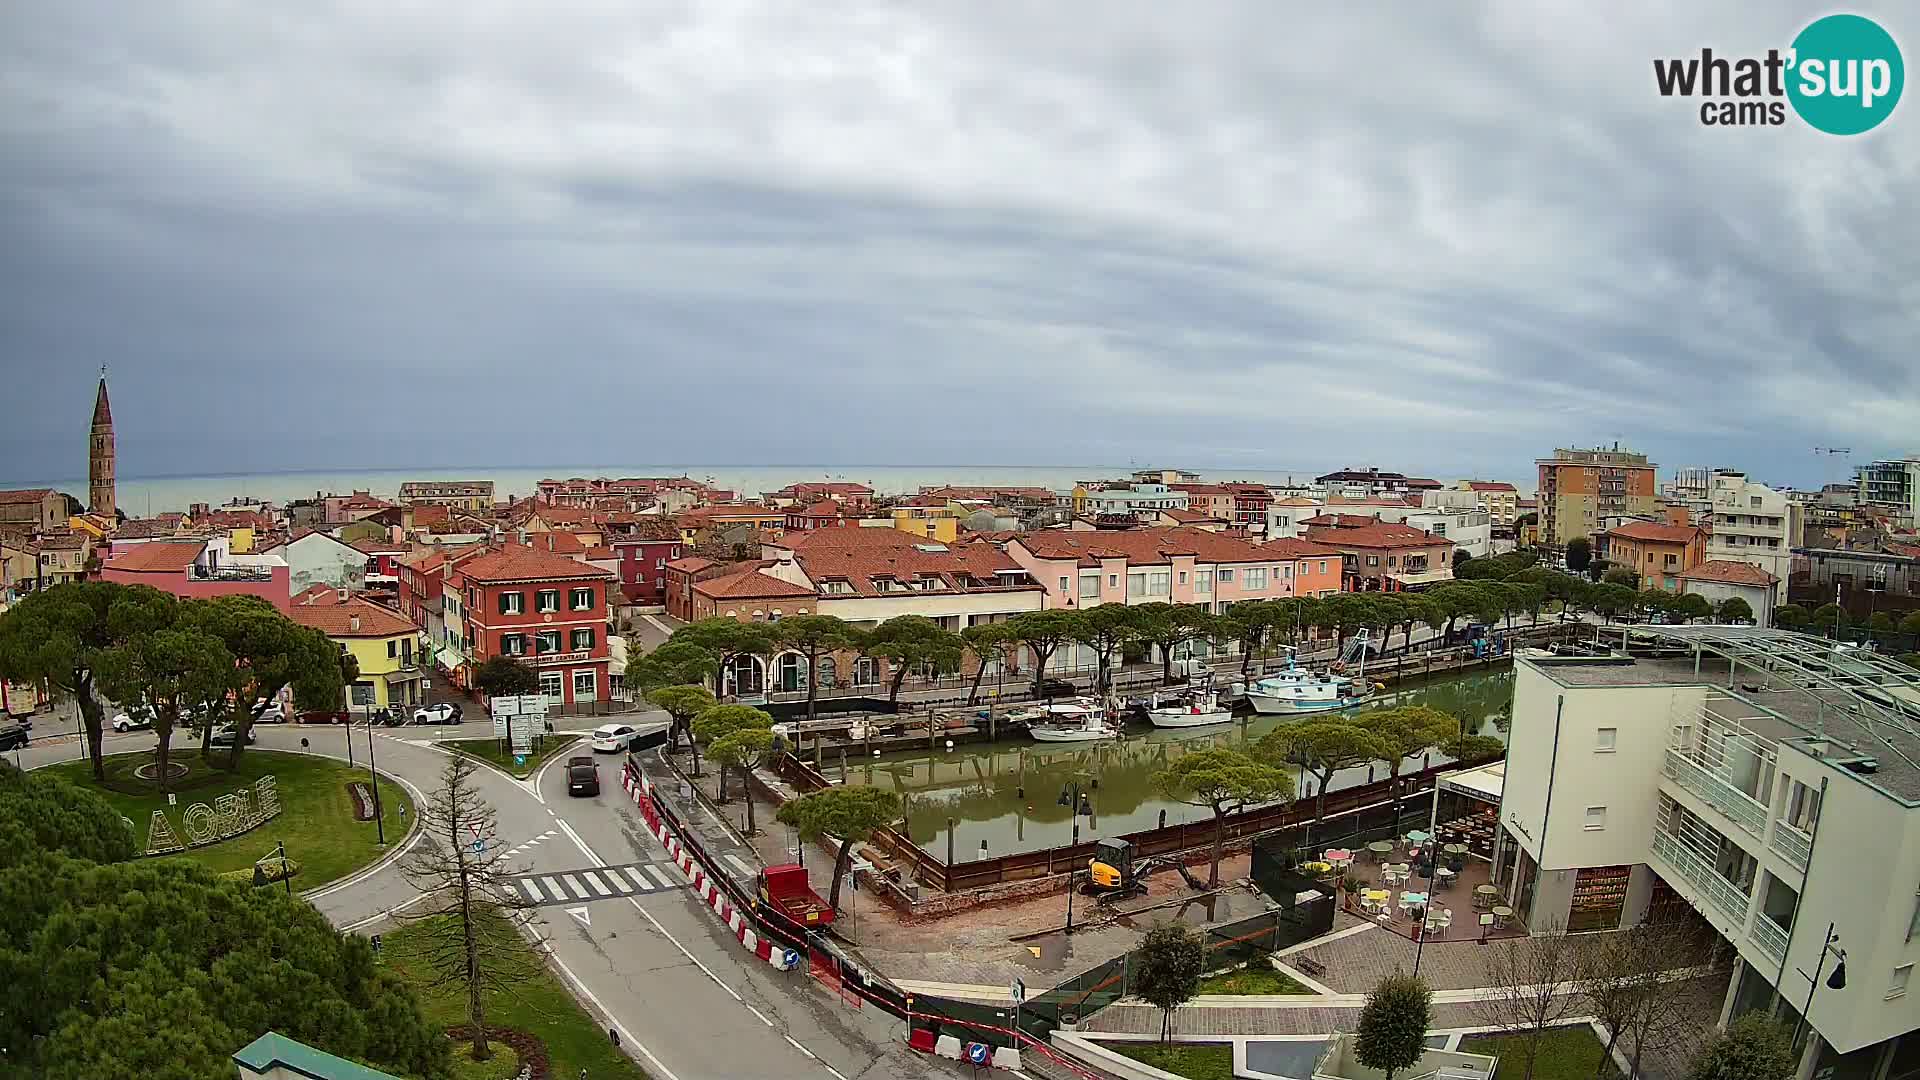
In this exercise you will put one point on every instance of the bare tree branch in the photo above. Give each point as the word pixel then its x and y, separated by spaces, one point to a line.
pixel 1531 985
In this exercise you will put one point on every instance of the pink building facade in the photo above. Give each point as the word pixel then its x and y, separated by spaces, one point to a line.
pixel 1170 565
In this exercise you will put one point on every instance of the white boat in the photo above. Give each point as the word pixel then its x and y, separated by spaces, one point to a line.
pixel 1195 708
pixel 1075 721
pixel 1299 691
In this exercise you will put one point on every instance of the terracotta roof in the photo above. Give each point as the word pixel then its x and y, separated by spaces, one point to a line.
pixel 360 500
pixel 989 492
pixel 334 617
pixel 1488 485
pixel 601 552
pixel 516 562
pixel 1730 572
pixel 1203 489
pixel 692 564
pixel 557 543
pixel 425 514
pixel 1377 535
pixel 380 547
pixel 701 515
pixel 1341 521
pixel 860 557
pixel 1141 547
pixel 1655 532
pixel 825 508
pixel 159 556
pixel 1908 550
pixel 62 541
pixel 1186 516
pixel 1296 500
pixel 425 562
pixel 144 528
pixel 750 584
pixel 1423 482
pixel 23 495
pixel 1287 548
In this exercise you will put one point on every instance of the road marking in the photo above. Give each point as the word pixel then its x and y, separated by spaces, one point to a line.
pixel 658 625
pixel 639 880
pixel 657 874
pixel 626 1035
pixel 573 885
pixel 842 1076
pixel 580 915
pixel 553 887
pixel 761 1015
pixel 740 865
pixel 599 886
pixel 533 891
pixel 791 1041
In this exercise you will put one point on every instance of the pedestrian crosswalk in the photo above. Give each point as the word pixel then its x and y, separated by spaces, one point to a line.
pixel 598 883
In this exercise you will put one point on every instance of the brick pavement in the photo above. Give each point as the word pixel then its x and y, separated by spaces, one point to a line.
pixel 1357 962
pixel 1255 1020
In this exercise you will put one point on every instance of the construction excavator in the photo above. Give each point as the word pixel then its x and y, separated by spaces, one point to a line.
pixel 1113 873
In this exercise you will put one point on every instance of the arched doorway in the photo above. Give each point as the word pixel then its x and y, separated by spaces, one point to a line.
pixel 791 671
pixel 829 672
pixel 747 674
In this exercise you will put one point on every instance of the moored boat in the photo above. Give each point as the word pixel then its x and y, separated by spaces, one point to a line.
pixel 1082 720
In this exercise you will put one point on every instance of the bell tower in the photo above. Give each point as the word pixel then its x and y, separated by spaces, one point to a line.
pixel 100 454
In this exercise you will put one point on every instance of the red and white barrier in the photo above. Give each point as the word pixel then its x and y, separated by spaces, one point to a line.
pixel 640 789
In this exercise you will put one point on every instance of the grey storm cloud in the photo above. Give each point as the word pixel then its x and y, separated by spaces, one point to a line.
pixel 1233 235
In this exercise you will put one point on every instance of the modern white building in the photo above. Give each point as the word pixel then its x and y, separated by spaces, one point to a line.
pixel 1770 781
pixel 1132 500
pixel 1754 524
pixel 1893 484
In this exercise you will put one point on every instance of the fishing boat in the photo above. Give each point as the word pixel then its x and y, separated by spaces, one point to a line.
pixel 1081 720
pixel 1298 690
pixel 1198 707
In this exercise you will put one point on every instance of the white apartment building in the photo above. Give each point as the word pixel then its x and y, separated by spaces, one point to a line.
pixel 1753 524
pixel 1454 515
pixel 1893 483
pixel 1766 779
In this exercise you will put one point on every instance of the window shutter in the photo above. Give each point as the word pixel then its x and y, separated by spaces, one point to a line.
pixel 503 603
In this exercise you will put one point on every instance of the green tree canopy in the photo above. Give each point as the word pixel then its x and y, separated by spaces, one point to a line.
pixel 910 642
pixel 1753 1047
pixel 744 750
pixel 1792 617
pixel 1691 606
pixel 1910 625
pixel 682 704
pixel 1168 626
pixel 180 671
pixel 1166 971
pixel 719 721
pixel 1827 617
pixel 1579 554
pixel 987 643
pixel 814 636
pixel 273 652
pixel 1106 629
pixel 1225 781
pixel 849 814
pixel 1322 747
pixel 1043 632
pixel 1882 623
pixel 1733 609
pixel 1621 575
pixel 674 663
pixel 1406 730
pixel 59 634
pixel 41 813
pixel 503 676
pixel 725 639
pixel 1392 1032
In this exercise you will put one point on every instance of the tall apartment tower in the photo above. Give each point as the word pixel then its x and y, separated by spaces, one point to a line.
pixel 1580 489
pixel 100 455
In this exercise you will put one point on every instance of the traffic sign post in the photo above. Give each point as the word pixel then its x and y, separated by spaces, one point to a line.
pixel 979 1053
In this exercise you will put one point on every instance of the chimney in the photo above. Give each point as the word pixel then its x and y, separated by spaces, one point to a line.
pixel 339 596
pixel 353 623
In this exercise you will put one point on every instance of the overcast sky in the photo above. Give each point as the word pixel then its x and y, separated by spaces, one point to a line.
pixel 1440 238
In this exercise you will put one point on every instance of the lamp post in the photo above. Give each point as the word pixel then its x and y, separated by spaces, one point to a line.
pixel 1073 798
pixel 1836 981
pixel 373 774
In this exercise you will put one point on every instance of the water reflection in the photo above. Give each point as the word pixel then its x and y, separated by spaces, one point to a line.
pixel 1007 794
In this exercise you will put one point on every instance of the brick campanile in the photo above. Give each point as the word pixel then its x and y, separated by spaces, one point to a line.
pixel 100 455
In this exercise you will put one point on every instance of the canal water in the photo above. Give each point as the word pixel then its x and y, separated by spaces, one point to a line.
pixel 1007 794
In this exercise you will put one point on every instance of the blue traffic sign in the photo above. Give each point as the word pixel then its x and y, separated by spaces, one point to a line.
pixel 978 1053
pixel 789 959
pixel 519 759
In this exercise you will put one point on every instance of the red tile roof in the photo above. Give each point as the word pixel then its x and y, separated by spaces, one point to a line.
pixel 1287 548
pixel 24 495
pixel 1489 485
pixel 1141 547
pixel 322 609
pixel 145 528
pixel 516 562
pixel 861 556
pixel 1341 521
pixel 1377 535
pixel 557 543
pixel 692 564
pixel 380 547
pixel 1655 532
pixel 1729 572
pixel 159 556
pixel 601 552
pixel 360 500
pixel 750 584
pixel 1187 516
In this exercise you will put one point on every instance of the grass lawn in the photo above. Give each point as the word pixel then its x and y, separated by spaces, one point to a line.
pixel 1568 1053
pixel 1199 1061
pixel 491 751
pixel 316 813
pixel 1252 980
pixel 540 1005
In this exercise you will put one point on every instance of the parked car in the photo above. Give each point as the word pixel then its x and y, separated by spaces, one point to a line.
pixel 140 716
pixel 12 735
pixel 1053 688
pixel 583 776
pixel 224 736
pixel 272 713
pixel 445 712
pixel 612 738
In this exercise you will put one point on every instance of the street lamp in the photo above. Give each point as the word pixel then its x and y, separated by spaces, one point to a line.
pixel 373 774
pixel 1835 981
pixel 1076 801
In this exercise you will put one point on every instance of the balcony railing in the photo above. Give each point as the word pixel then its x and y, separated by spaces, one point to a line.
pixel 1722 796
pixel 1722 893
pixel 1770 936
pixel 1791 844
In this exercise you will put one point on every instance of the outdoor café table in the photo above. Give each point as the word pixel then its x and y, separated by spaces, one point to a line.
pixel 1501 913
pixel 1417 837
pixel 1483 896
pixel 1380 849
pixel 1338 856
pixel 1454 849
pixel 1412 900
pixel 1442 877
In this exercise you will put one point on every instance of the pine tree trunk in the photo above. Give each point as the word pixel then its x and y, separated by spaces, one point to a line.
pixel 1219 840
pixel 840 863
pixel 93 719
pixel 813 682
pixel 750 829
pixel 476 1007
pixel 979 673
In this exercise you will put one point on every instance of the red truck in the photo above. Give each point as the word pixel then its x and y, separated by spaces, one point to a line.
pixel 785 889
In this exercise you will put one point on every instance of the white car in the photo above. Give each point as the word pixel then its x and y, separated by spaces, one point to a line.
pixel 612 738
pixel 133 719
pixel 271 713
pixel 442 713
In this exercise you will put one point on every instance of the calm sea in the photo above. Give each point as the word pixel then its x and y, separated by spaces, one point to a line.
pixel 140 497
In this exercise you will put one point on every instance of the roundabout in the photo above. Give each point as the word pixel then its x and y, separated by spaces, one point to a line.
pixel 227 820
